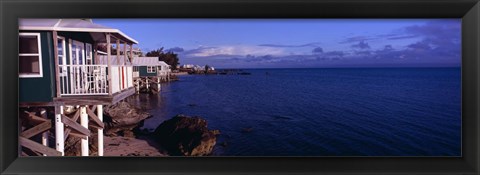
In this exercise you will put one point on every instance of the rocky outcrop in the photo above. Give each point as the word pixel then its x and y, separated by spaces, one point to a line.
pixel 73 146
pixel 122 118
pixel 186 136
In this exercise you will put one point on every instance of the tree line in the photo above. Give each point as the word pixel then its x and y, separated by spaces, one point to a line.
pixel 169 57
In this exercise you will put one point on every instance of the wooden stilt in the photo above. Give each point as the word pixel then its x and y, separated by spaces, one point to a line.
pixel 59 135
pixel 100 131
pixel 84 123
pixel 43 114
pixel 148 85
pixel 138 85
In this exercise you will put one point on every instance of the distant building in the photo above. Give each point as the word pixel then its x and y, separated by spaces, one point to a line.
pixel 187 66
pixel 150 67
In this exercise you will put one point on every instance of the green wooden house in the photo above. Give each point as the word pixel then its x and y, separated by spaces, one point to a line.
pixel 58 62
pixel 150 67
pixel 59 67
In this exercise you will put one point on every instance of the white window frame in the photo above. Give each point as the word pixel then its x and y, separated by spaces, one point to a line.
pixel 77 43
pixel 39 54
pixel 64 56
pixel 88 58
pixel 151 69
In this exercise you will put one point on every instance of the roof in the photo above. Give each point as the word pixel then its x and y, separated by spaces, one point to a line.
pixel 148 61
pixel 73 25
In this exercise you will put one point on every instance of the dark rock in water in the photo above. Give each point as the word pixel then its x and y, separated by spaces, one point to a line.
pixel 246 130
pixel 122 118
pixel 192 105
pixel 186 136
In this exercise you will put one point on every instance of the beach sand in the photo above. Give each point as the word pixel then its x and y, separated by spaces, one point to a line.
pixel 125 146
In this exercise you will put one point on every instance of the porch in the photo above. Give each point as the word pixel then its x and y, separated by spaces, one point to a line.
pixel 106 79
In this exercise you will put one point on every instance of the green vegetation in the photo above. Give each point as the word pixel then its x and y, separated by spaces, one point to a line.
pixel 170 58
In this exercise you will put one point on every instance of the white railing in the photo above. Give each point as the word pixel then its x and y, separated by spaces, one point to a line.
pixel 136 74
pixel 83 80
pixel 162 73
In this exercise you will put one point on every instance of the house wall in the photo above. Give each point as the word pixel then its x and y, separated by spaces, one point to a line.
pixel 143 72
pixel 43 89
pixel 40 89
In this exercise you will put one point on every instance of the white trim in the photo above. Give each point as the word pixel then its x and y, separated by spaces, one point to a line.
pixel 68 29
pixel 101 52
pixel 39 54
pixel 82 45
pixel 64 56
pixel 152 68
pixel 87 45
pixel 58 23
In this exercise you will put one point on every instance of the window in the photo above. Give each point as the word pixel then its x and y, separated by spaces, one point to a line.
pixel 30 55
pixel 89 54
pixel 77 52
pixel 135 68
pixel 151 69
pixel 62 60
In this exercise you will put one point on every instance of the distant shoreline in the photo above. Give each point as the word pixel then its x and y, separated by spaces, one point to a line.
pixel 446 67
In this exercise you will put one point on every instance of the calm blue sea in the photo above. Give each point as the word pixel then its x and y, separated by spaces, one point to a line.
pixel 321 112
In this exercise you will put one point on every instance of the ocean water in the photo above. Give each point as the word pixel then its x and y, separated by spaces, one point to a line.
pixel 321 112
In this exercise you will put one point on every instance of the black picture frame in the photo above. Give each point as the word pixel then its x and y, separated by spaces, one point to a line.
pixel 468 10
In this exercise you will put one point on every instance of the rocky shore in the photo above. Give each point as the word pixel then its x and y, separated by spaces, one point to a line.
pixel 186 136
pixel 180 136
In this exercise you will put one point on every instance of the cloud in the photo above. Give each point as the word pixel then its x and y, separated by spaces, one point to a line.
pixel 422 45
pixel 436 43
pixel 388 48
pixel 334 54
pixel 314 44
pixel 358 39
pixel 234 51
pixel 398 37
pixel 361 45
pixel 175 49
pixel 440 38
pixel 317 50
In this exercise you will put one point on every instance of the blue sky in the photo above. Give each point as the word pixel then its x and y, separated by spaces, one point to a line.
pixel 297 43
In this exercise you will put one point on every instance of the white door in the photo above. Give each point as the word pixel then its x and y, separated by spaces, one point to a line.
pixel 77 59
pixel 78 53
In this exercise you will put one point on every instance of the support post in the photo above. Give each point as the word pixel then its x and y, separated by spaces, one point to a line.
pixel 124 53
pixel 138 85
pixel 131 53
pixel 55 57
pixel 59 132
pixel 84 123
pixel 109 53
pixel 100 131
pixel 147 84
pixel 118 51
pixel 95 53
pixel 43 114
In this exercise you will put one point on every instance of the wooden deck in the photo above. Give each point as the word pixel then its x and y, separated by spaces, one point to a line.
pixel 85 100
pixel 95 99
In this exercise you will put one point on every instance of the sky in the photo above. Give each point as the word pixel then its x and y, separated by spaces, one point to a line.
pixel 300 43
